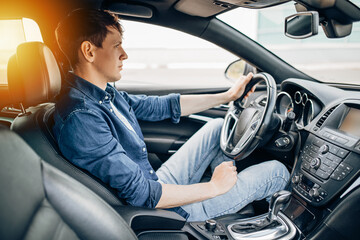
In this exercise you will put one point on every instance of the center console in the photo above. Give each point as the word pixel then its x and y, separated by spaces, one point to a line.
pixel 326 169
pixel 329 159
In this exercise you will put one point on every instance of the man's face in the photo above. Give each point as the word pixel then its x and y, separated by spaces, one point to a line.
pixel 109 59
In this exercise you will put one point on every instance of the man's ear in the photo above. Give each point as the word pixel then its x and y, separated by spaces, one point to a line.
pixel 87 51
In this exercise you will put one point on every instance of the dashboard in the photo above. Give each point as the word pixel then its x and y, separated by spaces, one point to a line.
pixel 328 163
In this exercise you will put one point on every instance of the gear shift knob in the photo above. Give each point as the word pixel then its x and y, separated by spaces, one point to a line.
pixel 278 201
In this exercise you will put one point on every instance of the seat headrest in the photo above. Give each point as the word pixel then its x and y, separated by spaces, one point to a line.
pixel 33 74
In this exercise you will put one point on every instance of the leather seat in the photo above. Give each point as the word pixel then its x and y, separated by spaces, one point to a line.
pixel 34 81
pixel 40 202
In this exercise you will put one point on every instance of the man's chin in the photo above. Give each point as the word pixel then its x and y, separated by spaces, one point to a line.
pixel 115 79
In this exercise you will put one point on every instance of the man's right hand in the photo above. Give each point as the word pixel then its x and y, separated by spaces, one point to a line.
pixel 222 180
pixel 224 177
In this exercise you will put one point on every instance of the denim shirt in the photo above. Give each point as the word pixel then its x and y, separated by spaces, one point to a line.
pixel 91 135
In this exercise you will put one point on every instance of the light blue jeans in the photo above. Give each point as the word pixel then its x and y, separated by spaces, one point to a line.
pixel 189 163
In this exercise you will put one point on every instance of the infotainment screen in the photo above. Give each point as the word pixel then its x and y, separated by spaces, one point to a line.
pixel 351 123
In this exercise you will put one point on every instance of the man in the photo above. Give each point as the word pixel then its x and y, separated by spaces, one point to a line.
pixel 96 128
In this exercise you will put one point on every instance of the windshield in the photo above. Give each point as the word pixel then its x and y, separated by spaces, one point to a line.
pixel 325 59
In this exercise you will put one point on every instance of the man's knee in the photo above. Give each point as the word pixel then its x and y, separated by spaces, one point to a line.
pixel 215 124
pixel 278 169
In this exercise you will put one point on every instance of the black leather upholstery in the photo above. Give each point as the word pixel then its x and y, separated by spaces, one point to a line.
pixel 34 74
pixel 34 78
pixel 40 202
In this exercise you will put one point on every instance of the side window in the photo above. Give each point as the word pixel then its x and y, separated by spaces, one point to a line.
pixel 162 56
pixel 13 32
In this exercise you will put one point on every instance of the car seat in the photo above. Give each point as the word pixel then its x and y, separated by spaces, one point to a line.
pixel 40 202
pixel 34 81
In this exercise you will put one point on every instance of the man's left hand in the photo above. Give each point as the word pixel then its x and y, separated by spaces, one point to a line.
pixel 238 88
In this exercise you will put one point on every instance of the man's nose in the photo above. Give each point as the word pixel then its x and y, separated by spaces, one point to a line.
pixel 123 55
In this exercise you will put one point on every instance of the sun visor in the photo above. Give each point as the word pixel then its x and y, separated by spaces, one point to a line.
pixel 130 10
pixel 201 8
pixel 252 3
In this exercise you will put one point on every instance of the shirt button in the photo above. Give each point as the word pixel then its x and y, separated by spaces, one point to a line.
pixel 144 149
pixel 111 110
pixel 151 171
pixel 106 97
pixel 100 102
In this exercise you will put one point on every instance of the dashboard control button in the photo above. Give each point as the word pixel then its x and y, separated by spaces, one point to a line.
pixel 326 134
pixel 318 142
pixel 322 174
pixel 324 149
pixel 307 158
pixel 333 137
pixel 313 154
pixel 335 159
pixel 333 149
pixel 326 168
pixel 315 163
pixel 342 153
pixel 346 167
pixel 314 148
pixel 322 193
pixel 341 140
pixel 332 164
pixel 341 171
pixel 305 165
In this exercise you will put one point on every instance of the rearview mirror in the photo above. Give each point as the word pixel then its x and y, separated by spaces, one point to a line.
pixel 237 69
pixel 302 25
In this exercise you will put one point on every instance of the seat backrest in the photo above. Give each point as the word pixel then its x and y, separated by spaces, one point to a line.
pixel 34 81
pixel 40 202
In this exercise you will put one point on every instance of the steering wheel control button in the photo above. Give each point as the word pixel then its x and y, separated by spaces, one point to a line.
pixel 324 149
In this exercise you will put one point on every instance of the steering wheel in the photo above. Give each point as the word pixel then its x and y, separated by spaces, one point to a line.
pixel 244 128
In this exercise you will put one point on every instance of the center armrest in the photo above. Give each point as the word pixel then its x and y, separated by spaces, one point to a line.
pixel 140 219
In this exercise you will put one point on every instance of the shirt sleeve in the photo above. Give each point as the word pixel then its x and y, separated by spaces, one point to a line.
pixel 155 108
pixel 93 148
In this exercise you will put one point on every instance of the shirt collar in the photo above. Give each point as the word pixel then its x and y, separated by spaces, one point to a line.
pixel 89 89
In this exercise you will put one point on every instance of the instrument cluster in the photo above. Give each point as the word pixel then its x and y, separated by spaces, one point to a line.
pixel 305 107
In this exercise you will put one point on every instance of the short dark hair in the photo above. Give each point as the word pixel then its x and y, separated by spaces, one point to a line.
pixel 84 25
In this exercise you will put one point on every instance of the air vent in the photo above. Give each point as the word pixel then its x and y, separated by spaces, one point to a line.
pixel 324 117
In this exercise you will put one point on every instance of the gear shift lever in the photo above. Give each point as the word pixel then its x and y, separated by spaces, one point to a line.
pixel 278 201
